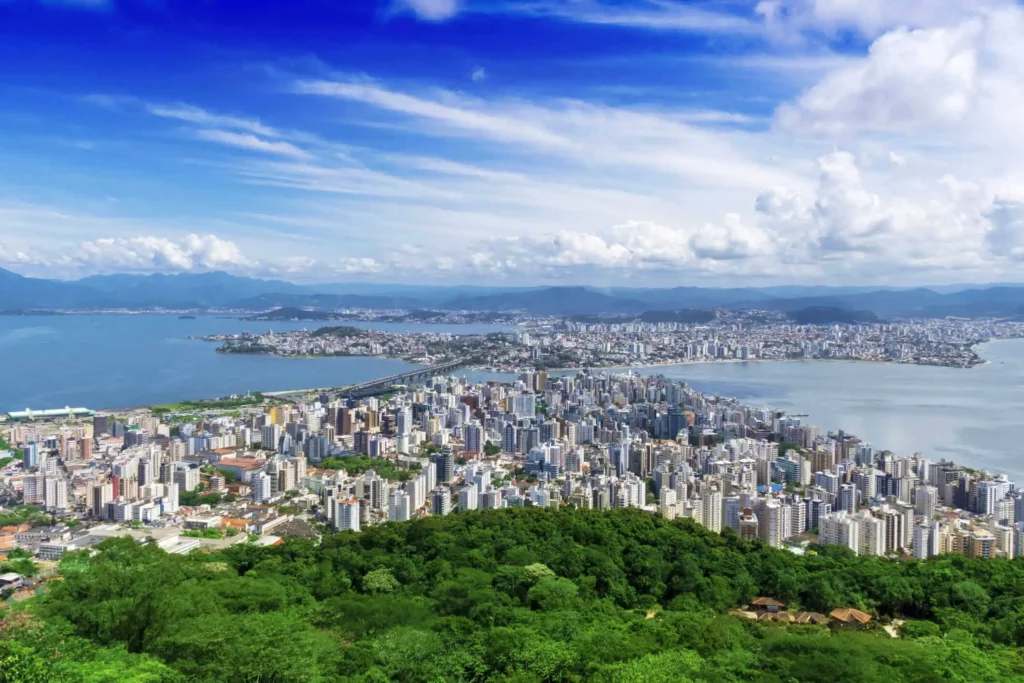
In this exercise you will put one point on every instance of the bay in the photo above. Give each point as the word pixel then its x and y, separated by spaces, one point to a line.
pixel 114 361
pixel 971 416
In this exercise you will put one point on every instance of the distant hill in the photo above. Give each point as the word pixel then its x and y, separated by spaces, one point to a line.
pixel 341 331
pixel 688 315
pixel 20 292
pixel 290 313
pixel 827 315
pixel 550 301
pixel 202 290
pixel 222 290
pixel 684 316
pixel 326 301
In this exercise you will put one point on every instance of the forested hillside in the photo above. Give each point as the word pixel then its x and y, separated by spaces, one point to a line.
pixel 519 595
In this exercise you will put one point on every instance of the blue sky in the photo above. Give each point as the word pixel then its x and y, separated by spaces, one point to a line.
pixel 650 142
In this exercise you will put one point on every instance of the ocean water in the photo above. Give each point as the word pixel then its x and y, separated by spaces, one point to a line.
pixel 116 361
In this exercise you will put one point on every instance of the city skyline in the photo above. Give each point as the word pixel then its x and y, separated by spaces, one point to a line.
pixel 641 144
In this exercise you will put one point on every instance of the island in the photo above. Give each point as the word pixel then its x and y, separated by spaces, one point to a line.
pixel 667 338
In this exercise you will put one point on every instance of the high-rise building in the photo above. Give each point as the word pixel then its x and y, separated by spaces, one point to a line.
pixel 56 494
pixel 444 460
pixel 33 488
pixel 847 498
pixel 403 421
pixel 922 545
pixel 399 506
pixel 441 502
pixel 711 508
pixel 839 528
pixel 30 457
pixel 468 499
pixel 676 421
pixel 472 437
pixel 926 499
pixel 99 496
pixel 774 522
pixel 748 524
pixel 346 514
pixel 270 436
pixel 509 440
pixel 186 476
pixel 871 534
pixel 263 486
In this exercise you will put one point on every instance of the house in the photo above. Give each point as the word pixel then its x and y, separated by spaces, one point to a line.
pixel 767 605
pixel 847 616
pixel 10 580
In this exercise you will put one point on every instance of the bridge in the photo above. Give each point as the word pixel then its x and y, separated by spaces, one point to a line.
pixel 385 384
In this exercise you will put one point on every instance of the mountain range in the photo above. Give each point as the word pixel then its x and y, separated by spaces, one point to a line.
pixel 221 290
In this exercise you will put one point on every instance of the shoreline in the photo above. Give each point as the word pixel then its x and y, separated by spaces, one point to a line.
pixel 472 368
pixel 286 392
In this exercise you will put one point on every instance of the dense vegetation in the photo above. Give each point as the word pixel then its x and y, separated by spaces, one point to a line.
pixel 340 331
pixel 523 594
pixel 16 453
pixel 827 315
pixel 253 399
pixel 357 464
pixel 25 513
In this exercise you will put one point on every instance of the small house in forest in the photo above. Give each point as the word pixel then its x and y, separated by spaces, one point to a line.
pixel 767 605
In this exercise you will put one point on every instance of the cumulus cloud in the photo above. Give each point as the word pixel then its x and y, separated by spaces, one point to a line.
pixel 869 18
pixel 479 75
pixel 909 79
pixel 964 79
pixel 192 253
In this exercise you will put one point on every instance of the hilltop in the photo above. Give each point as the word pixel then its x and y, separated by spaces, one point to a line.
pixel 521 594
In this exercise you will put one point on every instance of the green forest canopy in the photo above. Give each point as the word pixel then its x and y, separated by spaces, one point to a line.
pixel 521 594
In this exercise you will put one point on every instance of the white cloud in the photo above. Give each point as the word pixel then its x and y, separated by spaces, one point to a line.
pixel 157 254
pixel 479 75
pixel 458 115
pixel 585 133
pixel 658 15
pixel 869 18
pixel 908 80
pixel 359 265
pixel 962 83
pixel 431 10
pixel 252 142
pixel 197 115
pixel 897 159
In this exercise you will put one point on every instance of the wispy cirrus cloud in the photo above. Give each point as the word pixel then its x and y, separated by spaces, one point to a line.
pixel 192 114
pixel 658 15
pixel 251 142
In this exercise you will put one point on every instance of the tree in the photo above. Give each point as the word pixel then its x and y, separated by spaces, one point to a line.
pixel 379 581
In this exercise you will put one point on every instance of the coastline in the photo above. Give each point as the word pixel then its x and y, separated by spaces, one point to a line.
pixel 724 361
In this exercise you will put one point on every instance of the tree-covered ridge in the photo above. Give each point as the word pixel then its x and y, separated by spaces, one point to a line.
pixel 524 594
